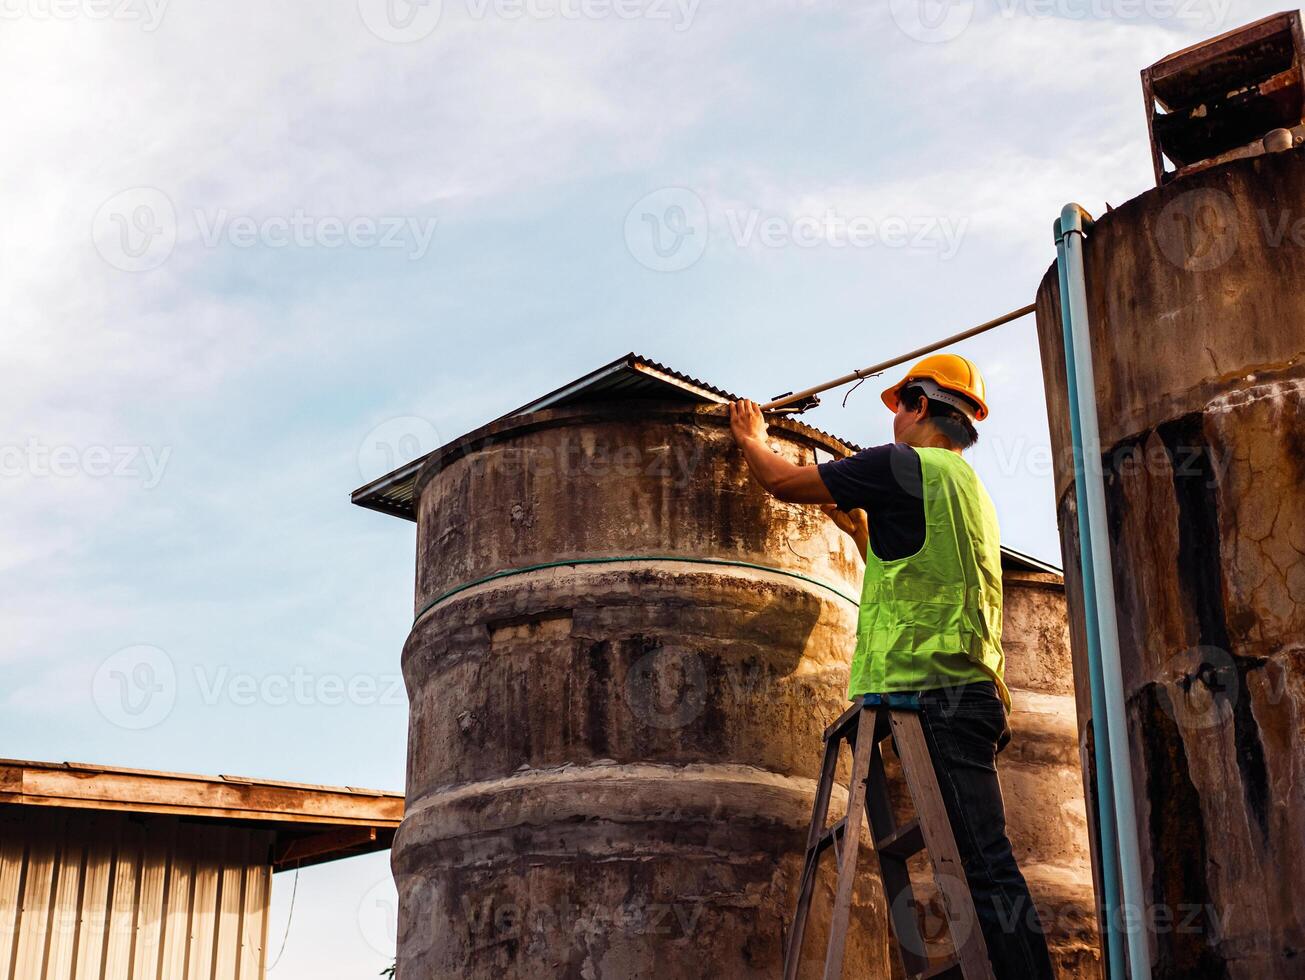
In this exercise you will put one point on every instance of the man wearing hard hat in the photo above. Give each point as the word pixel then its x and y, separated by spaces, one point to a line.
pixel 929 629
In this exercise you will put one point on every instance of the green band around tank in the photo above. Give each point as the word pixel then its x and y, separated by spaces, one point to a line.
pixel 729 563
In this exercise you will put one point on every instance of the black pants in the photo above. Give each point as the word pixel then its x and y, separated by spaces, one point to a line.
pixel 966 727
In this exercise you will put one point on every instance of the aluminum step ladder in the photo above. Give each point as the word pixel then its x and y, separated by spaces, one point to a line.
pixel 864 727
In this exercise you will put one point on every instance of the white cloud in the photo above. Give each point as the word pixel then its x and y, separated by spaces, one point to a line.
pixel 254 365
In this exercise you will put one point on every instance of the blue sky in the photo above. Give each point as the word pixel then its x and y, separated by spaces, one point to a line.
pixel 245 245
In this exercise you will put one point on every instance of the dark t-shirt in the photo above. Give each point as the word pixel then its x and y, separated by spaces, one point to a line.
pixel 886 483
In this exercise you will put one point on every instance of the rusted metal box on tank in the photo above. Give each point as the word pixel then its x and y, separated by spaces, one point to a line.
pixel 1217 100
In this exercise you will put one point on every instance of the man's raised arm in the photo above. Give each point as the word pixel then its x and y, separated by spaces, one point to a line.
pixel 788 481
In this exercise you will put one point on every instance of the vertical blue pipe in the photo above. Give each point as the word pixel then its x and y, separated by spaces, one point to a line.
pixel 1107 849
pixel 1086 436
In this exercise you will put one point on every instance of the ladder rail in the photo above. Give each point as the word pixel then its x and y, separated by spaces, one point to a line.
pixel 838 922
pixel 895 875
pixel 971 951
pixel 930 831
pixel 810 860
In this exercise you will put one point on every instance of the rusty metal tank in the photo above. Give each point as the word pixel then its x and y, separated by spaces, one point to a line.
pixel 624 656
pixel 1198 318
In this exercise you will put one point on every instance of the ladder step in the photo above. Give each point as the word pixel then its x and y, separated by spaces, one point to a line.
pixel 967 962
pixel 906 840
pixel 845 724
pixel 827 838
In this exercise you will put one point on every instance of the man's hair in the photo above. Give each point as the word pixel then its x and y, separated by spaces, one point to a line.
pixel 949 420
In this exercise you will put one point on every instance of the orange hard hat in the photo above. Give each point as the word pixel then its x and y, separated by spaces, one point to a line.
pixel 954 375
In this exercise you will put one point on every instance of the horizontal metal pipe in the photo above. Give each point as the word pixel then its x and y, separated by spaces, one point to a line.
pixel 884 366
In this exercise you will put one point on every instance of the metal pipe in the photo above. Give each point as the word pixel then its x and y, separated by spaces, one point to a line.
pixel 1107 849
pixel 1085 434
pixel 884 366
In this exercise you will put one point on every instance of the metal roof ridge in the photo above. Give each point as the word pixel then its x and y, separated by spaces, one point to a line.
pixel 635 362
pixel 1035 564
pixel 390 493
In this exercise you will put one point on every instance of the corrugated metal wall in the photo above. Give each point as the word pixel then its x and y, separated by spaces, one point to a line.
pixel 90 895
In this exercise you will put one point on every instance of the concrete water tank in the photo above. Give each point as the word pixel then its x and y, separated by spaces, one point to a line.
pixel 1198 319
pixel 623 658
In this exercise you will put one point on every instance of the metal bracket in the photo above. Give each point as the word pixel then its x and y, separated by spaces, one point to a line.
pixel 795 408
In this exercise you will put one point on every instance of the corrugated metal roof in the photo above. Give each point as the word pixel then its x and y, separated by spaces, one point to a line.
pixel 1018 561
pixel 88 895
pixel 83 785
pixel 392 493
pixel 310 823
pixel 631 376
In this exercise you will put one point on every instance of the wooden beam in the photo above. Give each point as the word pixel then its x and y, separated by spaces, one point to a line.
pixel 333 842
pixel 80 786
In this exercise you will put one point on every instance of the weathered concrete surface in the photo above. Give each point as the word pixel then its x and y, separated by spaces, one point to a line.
pixel 1199 349
pixel 611 766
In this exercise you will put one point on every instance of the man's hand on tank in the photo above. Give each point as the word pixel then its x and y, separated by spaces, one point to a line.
pixel 853 522
pixel 746 421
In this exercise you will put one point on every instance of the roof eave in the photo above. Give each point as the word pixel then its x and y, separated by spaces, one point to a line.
pixel 311 824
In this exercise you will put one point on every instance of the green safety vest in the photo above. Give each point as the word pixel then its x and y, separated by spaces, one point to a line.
pixel 934 619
